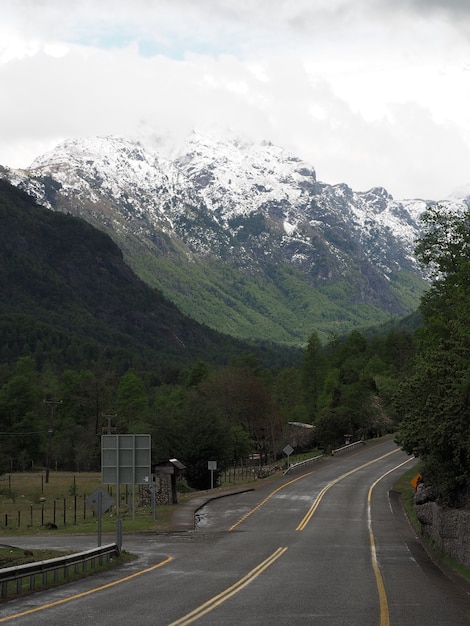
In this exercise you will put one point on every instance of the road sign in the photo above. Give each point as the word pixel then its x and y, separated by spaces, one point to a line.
pixel 125 459
pixel 100 500
pixel 212 467
pixel 288 450
pixel 416 480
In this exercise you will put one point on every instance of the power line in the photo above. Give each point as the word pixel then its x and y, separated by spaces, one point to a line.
pixel 33 432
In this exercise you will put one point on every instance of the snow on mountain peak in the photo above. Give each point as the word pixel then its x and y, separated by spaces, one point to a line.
pixel 213 184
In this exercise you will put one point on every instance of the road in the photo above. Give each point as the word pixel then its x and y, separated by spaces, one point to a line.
pixel 329 546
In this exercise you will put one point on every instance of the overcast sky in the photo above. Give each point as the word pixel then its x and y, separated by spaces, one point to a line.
pixel 370 92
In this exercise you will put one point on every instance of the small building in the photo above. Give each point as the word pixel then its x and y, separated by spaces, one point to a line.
pixel 301 434
pixel 165 474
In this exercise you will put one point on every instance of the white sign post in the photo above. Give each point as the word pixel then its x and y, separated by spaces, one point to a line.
pixel 212 466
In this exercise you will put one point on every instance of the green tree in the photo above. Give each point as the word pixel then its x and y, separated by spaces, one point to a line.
pixel 435 400
pixel 22 420
pixel 131 402
pixel 243 399
pixel 85 397
pixel 198 373
pixel 194 431
pixel 312 373
pixel 287 393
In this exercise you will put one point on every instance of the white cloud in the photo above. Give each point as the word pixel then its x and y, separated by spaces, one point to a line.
pixel 370 93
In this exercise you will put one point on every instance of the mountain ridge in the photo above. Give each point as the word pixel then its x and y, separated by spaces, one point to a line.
pixel 68 299
pixel 246 229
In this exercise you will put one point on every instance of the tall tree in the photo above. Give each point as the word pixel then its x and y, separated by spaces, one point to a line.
pixel 435 400
pixel 22 422
pixel 312 373
pixel 132 402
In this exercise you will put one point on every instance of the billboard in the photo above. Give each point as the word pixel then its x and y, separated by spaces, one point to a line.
pixel 126 459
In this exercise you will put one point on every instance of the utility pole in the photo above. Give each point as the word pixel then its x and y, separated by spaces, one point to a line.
pixel 53 404
pixel 109 430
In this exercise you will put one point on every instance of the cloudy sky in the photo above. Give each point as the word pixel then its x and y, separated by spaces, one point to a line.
pixel 370 92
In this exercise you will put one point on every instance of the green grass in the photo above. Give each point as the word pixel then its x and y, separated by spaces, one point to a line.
pixel 406 490
pixel 11 556
pixel 29 505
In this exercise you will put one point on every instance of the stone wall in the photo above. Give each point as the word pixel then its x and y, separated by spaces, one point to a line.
pixel 163 492
pixel 448 528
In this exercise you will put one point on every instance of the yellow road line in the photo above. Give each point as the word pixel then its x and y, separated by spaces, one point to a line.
pixel 86 593
pixel 308 516
pixel 260 504
pixel 230 591
pixel 384 612
pixel 254 573
pixel 248 578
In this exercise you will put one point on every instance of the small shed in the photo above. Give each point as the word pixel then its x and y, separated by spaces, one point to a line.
pixel 301 434
pixel 166 473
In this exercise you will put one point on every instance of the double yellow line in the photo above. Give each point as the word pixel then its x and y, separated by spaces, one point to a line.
pixel 254 573
pixel 383 602
pixel 230 591
pixel 261 567
pixel 263 502
pixel 308 516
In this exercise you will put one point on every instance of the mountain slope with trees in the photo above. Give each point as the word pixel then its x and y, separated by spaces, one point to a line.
pixel 68 298
pixel 241 237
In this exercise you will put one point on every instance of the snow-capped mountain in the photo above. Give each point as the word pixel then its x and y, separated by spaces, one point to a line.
pixel 229 186
pixel 253 209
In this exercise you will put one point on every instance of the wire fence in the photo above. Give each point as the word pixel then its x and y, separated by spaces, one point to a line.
pixel 49 514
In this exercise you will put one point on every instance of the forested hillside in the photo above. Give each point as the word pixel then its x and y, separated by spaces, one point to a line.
pixel 68 299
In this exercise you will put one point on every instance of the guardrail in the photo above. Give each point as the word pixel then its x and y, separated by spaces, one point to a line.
pixel 348 447
pixel 41 573
pixel 301 463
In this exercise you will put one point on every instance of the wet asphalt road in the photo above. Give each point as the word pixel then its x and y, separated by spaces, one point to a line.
pixel 326 547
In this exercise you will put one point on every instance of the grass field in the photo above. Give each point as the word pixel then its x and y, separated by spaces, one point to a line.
pixel 30 505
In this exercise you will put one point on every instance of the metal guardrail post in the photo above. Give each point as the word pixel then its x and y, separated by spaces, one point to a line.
pixel 18 573
pixel 301 463
pixel 349 446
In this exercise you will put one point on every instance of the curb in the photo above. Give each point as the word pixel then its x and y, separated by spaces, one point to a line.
pixel 184 516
